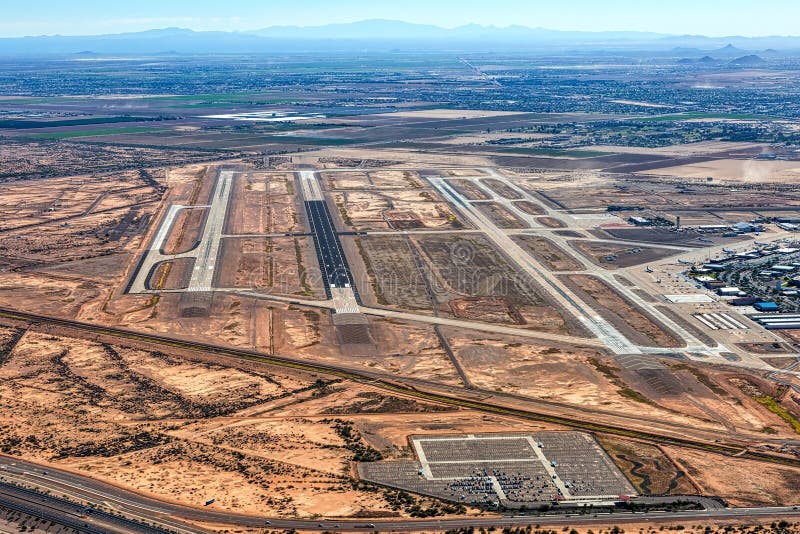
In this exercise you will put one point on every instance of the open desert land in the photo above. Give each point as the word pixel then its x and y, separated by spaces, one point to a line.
pixel 682 393
pixel 397 158
pixel 736 171
pixel 186 430
pixel 277 441
pixel 376 210
pixel 435 263
pixel 460 275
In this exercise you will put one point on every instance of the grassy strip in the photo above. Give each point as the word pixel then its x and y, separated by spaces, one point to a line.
pixel 31 124
pixel 96 133
pixel 611 374
pixel 772 405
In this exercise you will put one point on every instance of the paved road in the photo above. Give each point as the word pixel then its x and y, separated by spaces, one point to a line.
pixel 69 514
pixel 132 503
pixel 651 428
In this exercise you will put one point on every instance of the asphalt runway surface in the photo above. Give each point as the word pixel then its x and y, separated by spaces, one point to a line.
pixel 332 261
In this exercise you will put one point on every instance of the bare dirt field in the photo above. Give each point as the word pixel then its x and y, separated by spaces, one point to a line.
pixel 263 204
pixel 467 266
pixel 469 189
pixel 502 217
pixel 550 222
pixel 734 170
pixel 281 265
pixel 548 253
pixel 368 210
pixel 588 379
pixel 529 207
pixel 502 189
pixel 393 271
pixel 186 231
pixel 385 179
pixel 741 482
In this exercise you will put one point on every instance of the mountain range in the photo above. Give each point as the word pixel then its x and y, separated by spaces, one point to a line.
pixel 389 35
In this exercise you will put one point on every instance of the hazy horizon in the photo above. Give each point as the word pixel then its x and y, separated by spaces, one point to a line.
pixel 680 17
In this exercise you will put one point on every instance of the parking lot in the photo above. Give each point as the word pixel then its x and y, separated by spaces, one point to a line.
pixel 505 469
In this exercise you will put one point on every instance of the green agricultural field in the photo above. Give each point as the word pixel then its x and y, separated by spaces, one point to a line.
pixel 24 124
pixel 95 133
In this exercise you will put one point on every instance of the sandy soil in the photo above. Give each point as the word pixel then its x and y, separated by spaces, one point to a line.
pixel 742 482
pixel 188 431
pixel 732 170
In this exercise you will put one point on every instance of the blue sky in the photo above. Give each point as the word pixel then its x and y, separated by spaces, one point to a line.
pixel 708 17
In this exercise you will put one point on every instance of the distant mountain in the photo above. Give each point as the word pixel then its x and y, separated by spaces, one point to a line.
pixel 380 29
pixel 389 35
pixel 705 60
pixel 729 50
pixel 751 60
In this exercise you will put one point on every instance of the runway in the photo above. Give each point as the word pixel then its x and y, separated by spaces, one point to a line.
pixel 601 328
pixel 206 252
pixel 336 274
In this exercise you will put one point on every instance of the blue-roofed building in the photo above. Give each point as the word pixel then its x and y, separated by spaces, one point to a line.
pixel 766 307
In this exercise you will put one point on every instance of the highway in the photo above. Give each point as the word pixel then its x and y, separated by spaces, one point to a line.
pixel 134 504
pixel 69 514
